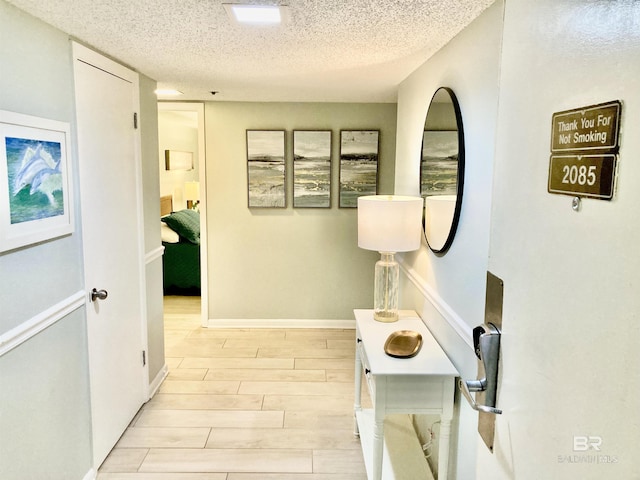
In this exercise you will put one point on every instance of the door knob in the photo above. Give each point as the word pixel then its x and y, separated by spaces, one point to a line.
pixel 98 295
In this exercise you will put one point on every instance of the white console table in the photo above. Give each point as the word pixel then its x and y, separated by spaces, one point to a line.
pixel 423 384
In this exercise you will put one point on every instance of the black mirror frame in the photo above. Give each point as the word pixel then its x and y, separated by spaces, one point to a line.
pixel 460 178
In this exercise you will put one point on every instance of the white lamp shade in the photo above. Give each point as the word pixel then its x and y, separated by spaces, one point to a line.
pixel 192 190
pixel 438 213
pixel 389 223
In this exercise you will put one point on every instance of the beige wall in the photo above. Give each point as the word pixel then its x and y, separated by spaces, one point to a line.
pixel 286 263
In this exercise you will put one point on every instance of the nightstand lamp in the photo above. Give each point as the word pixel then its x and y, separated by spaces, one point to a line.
pixel 192 194
pixel 388 224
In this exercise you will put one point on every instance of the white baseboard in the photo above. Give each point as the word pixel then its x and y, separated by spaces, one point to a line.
pixel 23 332
pixel 280 323
pixel 155 384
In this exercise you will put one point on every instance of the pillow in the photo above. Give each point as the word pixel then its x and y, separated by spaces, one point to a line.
pixel 167 235
pixel 185 223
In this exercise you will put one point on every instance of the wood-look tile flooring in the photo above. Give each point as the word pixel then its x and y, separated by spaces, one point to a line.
pixel 245 404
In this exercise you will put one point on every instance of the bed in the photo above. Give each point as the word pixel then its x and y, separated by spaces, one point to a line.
pixel 180 232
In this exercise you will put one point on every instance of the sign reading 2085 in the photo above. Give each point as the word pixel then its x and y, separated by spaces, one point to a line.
pixel 584 147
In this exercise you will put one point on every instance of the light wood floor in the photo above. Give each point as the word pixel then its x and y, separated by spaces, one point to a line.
pixel 245 404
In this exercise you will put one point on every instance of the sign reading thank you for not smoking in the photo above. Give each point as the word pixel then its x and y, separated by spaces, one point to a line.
pixel 593 128
pixel 584 148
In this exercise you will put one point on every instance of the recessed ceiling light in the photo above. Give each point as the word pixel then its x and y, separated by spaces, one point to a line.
pixel 167 91
pixel 256 14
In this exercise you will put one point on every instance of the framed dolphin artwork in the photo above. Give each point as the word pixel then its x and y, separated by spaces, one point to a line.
pixel 36 201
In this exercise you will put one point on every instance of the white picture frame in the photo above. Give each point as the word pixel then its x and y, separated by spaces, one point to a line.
pixel 36 194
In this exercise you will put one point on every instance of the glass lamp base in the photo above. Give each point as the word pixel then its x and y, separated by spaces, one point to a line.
pixel 387 317
pixel 385 295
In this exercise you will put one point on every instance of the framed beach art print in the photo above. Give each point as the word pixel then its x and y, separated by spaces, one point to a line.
pixel 358 165
pixel 266 174
pixel 35 190
pixel 439 163
pixel 312 168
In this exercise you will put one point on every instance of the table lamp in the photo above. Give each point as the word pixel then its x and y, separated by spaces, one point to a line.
pixel 388 224
pixel 192 194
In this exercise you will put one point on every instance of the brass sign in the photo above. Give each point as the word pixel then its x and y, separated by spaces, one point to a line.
pixel 582 175
pixel 584 147
pixel 587 129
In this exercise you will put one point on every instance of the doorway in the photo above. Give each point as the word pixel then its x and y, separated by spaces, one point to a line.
pixel 181 136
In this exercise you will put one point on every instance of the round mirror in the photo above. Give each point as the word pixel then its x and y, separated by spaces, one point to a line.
pixel 442 170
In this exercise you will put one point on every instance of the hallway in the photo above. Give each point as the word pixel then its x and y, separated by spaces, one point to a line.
pixel 244 404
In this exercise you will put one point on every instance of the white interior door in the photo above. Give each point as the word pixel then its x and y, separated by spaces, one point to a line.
pixel 108 153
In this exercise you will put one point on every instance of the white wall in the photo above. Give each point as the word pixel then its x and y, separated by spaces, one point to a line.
pixel 570 362
pixel 45 424
pixel 25 43
pixel 286 263
pixel 178 130
pixel 448 292
pixel 152 243
pixel 45 420
pixel 570 356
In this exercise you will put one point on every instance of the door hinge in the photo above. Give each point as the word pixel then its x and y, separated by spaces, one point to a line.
pixel 135 120
pixel 144 358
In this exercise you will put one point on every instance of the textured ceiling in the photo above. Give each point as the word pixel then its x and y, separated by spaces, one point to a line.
pixel 330 50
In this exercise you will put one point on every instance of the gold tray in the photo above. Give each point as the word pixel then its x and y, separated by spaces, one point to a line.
pixel 403 344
